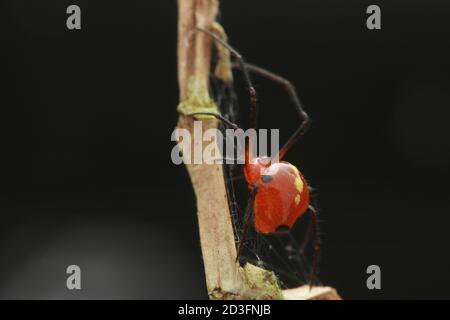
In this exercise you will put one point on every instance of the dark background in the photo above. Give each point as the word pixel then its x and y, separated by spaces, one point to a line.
pixel 86 117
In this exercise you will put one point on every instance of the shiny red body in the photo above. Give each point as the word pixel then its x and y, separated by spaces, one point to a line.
pixel 282 194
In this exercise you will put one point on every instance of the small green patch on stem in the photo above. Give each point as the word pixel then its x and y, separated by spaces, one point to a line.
pixel 198 100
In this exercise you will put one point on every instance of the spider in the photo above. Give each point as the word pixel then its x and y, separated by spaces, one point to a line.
pixel 279 194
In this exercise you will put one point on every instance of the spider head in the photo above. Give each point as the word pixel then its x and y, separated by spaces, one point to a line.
pixel 255 168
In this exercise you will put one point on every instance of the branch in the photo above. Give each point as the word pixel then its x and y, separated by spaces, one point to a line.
pixel 225 279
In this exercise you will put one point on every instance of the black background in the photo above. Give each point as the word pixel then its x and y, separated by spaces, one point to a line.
pixel 86 117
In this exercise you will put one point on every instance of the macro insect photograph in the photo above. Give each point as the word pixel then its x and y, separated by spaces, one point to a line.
pixel 224 150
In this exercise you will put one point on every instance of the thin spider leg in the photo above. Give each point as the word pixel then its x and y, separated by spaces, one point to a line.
pixel 306 238
pixel 238 178
pixel 217 116
pixel 232 203
pixel 310 230
pixel 316 245
pixel 301 261
pixel 247 221
pixel 287 85
pixel 221 118
pixel 310 227
pixel 250 87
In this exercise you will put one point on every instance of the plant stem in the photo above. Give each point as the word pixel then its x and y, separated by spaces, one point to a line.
pixel 225 279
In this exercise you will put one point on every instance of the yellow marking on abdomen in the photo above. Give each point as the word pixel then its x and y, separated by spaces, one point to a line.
pixel 297 199
pixel 298 181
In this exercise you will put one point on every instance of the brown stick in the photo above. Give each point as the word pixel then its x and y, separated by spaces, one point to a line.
pixel 216 234
pixel 225 279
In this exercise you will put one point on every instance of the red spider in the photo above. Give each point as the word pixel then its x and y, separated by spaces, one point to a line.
pixel 279 194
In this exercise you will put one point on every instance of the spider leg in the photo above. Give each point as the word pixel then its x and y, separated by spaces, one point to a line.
pixel 310 227
pixel 217 116
pixel 243 66
pixel 306 238
pixel 316 245
pixel 247 221
pixel 287 85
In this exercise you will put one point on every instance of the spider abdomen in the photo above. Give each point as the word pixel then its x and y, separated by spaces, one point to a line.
pixel 282 197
